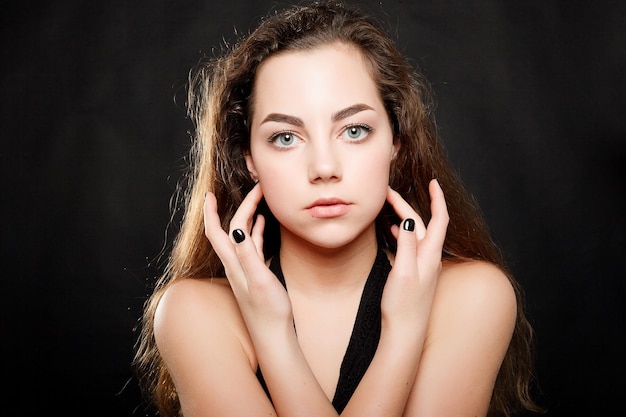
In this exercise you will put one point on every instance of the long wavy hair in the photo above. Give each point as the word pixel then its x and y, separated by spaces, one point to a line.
pixel 219 103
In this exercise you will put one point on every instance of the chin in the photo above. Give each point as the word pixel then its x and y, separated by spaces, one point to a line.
pixel 337 238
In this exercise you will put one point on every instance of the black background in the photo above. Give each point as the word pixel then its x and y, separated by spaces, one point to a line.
pixel 531 103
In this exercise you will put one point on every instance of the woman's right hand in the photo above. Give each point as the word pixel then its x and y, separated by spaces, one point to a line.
pixel 262 299
pixel 266 310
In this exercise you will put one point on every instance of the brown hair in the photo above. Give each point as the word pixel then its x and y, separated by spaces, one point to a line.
pixel 220 92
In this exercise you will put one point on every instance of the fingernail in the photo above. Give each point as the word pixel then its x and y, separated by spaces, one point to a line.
pixel 238 235
pixel 408 225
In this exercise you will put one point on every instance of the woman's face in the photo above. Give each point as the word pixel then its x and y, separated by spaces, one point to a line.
pixel 321 145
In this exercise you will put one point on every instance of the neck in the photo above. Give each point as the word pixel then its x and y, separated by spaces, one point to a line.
pixel 312 268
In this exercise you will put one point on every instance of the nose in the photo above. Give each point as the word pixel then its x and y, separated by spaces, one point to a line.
pixel 324 161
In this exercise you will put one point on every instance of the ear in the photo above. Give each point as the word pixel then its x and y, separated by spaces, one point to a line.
pixel 250 165
pixel 396 148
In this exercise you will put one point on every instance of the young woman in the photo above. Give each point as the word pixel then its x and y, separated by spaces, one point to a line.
pixel 319 269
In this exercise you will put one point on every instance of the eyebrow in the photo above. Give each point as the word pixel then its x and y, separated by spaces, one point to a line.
pixel 349 111
pixel 338 115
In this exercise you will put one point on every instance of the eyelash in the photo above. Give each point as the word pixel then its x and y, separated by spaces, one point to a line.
pixel 368 129
pixel 274 138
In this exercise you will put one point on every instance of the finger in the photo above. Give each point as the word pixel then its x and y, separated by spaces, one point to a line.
pixel 395 229
pixel 257 234
pixel 221 242
pixel 245 213
pixel 406 248
pixel 254 268
pixel 436 231
pixel 404 210
pixel 212 225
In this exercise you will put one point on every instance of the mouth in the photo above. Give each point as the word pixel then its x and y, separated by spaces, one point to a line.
pixel 326 202
pixel 328 207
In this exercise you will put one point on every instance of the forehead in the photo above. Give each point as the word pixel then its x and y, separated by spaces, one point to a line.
pixel 329 75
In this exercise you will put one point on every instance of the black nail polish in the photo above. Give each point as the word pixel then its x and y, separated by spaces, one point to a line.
pixel 408 225
pixel 238 235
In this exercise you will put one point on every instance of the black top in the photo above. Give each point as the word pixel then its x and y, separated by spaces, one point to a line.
pixel 365 333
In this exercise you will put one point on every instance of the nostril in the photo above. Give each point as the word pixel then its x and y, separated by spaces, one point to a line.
pixel 325 167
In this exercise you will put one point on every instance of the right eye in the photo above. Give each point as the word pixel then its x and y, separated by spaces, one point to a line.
pixel 283 139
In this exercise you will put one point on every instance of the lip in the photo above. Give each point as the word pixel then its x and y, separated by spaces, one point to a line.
pixel 324 208
pixel 326 202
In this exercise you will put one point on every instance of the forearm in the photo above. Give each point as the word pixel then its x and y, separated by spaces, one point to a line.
pixel 383 391
pixel 293 387
pixel 385 387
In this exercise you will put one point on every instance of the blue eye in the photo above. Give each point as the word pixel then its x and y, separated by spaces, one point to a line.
pixel 356 132
pixel 283 139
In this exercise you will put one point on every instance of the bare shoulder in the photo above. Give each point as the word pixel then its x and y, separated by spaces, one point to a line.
pixel 185 297
pixel 476 279
pixel 191 293
pixel 474 295
pixel 469 330
pixel 204 343
pixel 198 309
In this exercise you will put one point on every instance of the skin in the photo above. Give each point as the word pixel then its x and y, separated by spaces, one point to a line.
pixel 445 328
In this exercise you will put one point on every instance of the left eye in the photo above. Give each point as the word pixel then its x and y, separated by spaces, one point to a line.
pixel 356 132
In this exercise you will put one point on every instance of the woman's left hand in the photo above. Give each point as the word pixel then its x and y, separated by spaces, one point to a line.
pixel 410 288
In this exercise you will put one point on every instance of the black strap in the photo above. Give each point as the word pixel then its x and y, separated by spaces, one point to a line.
pixel 365 332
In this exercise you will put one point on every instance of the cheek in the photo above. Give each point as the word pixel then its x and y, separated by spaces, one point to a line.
pixel 379 184
pixel 376 170
pixel 276 189
pixel 280 202
pixel 372 181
